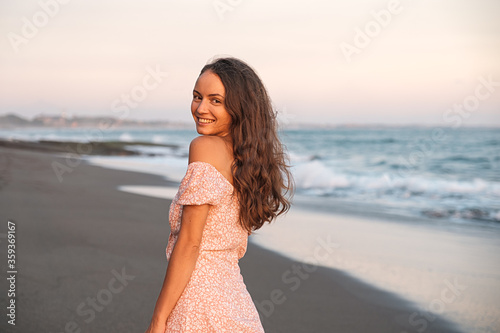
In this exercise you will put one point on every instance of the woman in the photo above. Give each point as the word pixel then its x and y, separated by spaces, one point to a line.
pixel 236 181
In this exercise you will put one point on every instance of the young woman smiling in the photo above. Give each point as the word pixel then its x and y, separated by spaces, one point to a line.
pixel 237 179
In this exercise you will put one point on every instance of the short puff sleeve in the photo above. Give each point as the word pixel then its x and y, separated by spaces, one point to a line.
pixel 201 185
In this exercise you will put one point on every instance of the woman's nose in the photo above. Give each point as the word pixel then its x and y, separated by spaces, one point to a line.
pixel 202 106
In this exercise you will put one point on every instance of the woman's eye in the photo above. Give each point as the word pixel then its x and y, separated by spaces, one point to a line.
pixel 216 101
pixel 196 98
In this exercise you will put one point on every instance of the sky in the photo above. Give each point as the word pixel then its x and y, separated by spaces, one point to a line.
pixel 327 62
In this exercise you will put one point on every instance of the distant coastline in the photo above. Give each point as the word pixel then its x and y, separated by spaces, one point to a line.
pixel 14 121
pixel 62 121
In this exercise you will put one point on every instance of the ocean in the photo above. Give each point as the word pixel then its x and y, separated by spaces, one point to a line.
pixel 450 175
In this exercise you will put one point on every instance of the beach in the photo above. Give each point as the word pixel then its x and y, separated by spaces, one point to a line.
pixel 448 270
pixel 91 258
pixel 383 118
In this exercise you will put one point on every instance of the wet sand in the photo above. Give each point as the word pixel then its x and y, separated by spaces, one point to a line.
pixel 92 259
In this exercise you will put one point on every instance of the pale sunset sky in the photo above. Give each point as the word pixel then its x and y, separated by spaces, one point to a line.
pixel 330 62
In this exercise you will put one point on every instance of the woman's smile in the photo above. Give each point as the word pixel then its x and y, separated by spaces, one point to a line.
pixel 208 107
pixel 204 121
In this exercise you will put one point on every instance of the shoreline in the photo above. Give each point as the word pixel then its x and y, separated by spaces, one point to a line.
pixel 414 252
pixel 342 208
pixel 90 148
pixel 76 234
pixel 169 160
pixel 174 170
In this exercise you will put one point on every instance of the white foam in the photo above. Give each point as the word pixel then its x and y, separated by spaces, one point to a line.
pixel 159 139
pixel 317 178
pixel 315 174
pixel 151 191
pixel 497 216
pixel 171 168
pixel 126 137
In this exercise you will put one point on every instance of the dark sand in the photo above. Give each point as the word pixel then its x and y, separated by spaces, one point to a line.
pixel 75 236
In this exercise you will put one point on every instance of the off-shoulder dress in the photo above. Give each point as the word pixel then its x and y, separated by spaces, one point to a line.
pixel 216 298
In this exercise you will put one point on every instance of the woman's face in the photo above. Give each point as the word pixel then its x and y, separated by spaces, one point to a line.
pixel 208 107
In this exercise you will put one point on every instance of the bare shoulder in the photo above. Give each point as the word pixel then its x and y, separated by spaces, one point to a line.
pixel 211 149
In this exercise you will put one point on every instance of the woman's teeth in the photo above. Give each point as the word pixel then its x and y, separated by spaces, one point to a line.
pixel 206 121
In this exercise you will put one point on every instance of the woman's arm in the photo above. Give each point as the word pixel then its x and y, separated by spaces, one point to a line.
pixel 185 253
pixel 181 264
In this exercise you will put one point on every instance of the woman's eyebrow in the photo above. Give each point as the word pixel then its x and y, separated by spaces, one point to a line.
pixel 210 95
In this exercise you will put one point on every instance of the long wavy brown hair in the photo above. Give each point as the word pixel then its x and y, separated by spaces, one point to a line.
pixel 261 175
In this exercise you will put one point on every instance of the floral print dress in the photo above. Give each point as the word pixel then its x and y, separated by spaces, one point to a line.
pixel 215 298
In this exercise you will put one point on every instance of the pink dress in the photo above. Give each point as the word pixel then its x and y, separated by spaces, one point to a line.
pixel 215 298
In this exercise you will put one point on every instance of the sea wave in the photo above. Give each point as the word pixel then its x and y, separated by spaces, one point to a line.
pixel 434 197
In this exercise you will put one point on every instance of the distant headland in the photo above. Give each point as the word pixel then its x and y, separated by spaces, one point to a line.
pixel 12 120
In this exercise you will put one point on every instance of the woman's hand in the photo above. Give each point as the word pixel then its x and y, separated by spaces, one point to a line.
pixel 156 328
pixel 181 264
